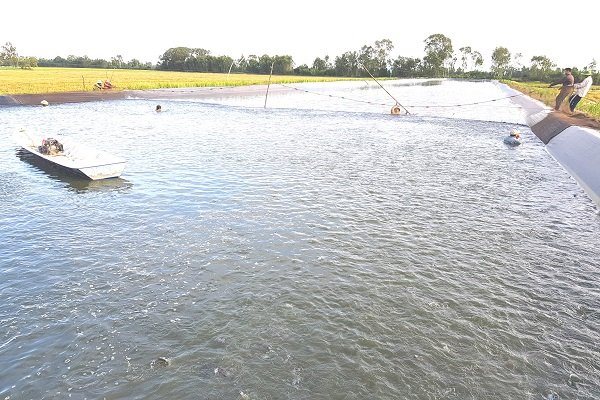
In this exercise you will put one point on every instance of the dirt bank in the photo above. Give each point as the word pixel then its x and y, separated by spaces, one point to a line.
pixel 155 94
pixel 550 123
pixel 578 119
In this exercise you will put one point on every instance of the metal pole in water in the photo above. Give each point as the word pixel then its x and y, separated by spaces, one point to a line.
pixel 231 66
pixel 269 84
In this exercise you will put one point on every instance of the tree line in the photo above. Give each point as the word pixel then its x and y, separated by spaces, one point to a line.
pixel 200 60
pixel 85 62
pixel 9 57
pixel 440 60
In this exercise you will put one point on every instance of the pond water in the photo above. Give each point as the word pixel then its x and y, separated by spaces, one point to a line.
pixel 319 248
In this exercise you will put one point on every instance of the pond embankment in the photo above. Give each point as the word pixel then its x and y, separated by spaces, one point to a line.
pixel 105 95
pixel 573 141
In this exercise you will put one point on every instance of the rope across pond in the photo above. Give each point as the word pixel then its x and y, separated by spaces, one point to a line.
pixel 409 105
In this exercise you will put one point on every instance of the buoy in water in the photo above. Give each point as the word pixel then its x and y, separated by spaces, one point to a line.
pixel 396 110
pixel 44 103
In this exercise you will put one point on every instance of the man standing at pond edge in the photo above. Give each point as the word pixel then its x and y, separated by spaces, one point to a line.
pixel 581 89
pixel 566 89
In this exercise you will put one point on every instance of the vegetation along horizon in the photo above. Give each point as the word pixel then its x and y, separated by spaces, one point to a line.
pixel 52 80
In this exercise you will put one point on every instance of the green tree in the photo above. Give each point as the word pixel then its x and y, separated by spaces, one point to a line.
pixel 264 64
pixel 367 59
pixel 134 63
pixel 78 62
pixel 117 62
pixel 241 64
pixel 221 64
pixel 452 63
pixel 283 65
pixel 383 48
pixel 174 58
pixel 28 62
pixel 592 67
pixel 517 64
pixel 86 62
pixel 438 50
pixel 500 61
pixel 406 67
pixel 541 68
pixel 465 57
pixel 321 66
pixel 542 63
pixel 347 64
pixel 517 69
pixel 303 70
pixel 59 61
pixel 477 59
pixel 199 60
pixel 253 64
pixel 99 63
pixel 8 55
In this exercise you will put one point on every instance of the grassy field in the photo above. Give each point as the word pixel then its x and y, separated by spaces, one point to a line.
pixel 589 105
pixel 53 80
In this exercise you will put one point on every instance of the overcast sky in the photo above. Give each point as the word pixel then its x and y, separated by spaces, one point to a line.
pixel 303 29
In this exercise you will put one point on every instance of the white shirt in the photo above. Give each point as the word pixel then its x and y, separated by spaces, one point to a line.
pixel 581 89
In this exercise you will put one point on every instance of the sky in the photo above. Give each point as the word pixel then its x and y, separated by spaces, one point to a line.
pixel 568 34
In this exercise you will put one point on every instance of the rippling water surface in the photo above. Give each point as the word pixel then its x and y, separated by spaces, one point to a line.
pixel 316 249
